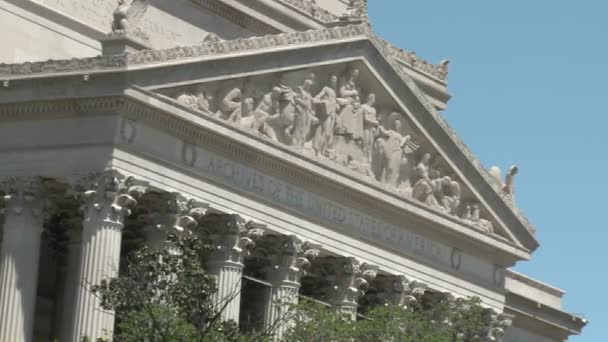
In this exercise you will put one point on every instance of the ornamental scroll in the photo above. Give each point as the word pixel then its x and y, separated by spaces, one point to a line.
pixel 342 114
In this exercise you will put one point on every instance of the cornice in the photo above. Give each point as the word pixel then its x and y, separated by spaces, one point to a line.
pixel 144 57
pixel 464 149
pixel 542 318
pixel 535 283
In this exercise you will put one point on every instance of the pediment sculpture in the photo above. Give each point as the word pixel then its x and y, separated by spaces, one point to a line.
pixel 341 114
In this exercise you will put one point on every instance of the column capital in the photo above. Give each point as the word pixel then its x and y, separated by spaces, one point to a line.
pixel 23 193
pixel 399 290
pixel 110 193
pixel 232 236
pixel 288 258
pixel 352 280
pixel 497 324
pixel 171 212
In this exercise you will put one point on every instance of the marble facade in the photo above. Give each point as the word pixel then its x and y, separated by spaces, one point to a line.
pixel 283 126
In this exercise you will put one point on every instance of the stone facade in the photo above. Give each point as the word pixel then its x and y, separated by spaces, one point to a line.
pixel 283 126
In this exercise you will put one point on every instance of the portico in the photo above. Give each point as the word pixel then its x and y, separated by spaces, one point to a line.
pixel 318 162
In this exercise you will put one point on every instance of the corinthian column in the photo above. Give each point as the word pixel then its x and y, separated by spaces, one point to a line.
pixel 232 239
pixel 169 213
pixel 289 263
pixel 352 280
pixel 108 199
pixel 19 258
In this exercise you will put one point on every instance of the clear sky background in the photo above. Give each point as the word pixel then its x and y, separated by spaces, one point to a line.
pixel 529 85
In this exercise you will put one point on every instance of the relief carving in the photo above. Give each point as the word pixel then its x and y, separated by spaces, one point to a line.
pixel 351 121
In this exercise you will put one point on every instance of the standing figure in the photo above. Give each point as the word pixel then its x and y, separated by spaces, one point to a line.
pixel 350 121
pixel 327 104
pixel 305 117
pixel 370 125
pixel 391 148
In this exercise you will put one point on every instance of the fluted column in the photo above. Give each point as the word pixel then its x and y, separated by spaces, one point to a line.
pixel 108 199
pixel 70 284
pixel 290 260
pixel 352 280
pixel 19 258
pixel 232 238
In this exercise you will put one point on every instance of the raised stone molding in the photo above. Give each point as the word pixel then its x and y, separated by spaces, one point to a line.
pixel 208 49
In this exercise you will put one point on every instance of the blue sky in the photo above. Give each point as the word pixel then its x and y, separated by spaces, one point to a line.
pixel 529 83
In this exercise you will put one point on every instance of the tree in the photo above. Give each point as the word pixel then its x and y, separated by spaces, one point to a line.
pixel 166 296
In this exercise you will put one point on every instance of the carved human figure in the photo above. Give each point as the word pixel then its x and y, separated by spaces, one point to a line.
pixel 305 117
pixel 244 116
pixel 424 188
pixel 198 99
pixel 350 121
pixel 370 125
pixel 187 99
pixel 231 103
pixel 508 187
pixel 327 107
pixel 391 149
pixel 268 107
pixel 283 121
pixel 450 197
pixel 476 218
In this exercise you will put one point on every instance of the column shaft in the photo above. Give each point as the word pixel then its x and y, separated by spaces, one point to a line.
pixel 100 257
pixel 276 315
pixel 228 296
pixel 19 274
pixel 71 284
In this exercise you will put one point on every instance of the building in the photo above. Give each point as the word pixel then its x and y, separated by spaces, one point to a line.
pixel 288 122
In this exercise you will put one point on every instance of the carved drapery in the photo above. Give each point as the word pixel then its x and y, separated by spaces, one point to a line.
pixel 108 198
pixel 339 113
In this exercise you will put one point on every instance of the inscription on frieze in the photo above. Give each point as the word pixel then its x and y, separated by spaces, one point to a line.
pixel 344 219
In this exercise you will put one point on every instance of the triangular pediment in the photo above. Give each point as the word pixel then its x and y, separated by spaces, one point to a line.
pixel 344 113
pixel 338 95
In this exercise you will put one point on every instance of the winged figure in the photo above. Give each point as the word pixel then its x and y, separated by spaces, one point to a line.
pixel 128 15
